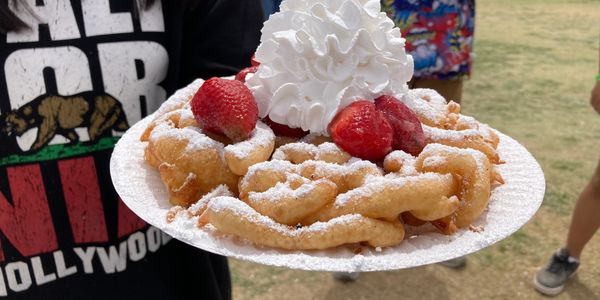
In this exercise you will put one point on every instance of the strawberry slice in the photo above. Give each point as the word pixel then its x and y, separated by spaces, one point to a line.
pixel 362 131
pixel 253 61
pixel 226 107
pixel 408 132
pixel 284 130
pixel 241 76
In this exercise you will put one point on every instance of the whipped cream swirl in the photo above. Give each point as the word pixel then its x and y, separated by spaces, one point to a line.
pixel 318 56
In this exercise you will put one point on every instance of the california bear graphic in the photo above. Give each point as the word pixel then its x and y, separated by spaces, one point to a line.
pixel 53 114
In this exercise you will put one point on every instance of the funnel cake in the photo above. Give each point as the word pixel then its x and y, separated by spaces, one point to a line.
pixel 336 70
pixel 309 193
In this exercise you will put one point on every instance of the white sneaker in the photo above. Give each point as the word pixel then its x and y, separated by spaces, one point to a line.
pixel 551 279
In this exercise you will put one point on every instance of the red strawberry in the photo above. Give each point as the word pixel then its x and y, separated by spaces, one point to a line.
pixel 253 61
pixel 363 131
pixel 408 132
pixel 226 107
pixel 284 130
pixel 241 76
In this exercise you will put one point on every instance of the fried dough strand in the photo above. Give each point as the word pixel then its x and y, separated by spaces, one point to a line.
pixel 473 172
pixel 231 216
pixel 428 196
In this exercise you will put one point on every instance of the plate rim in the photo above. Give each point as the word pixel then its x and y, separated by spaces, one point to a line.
pixel 319 260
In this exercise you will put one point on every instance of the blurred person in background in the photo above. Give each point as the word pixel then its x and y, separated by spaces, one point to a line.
pixel 585 221
pixel 76 74
pixel 439 36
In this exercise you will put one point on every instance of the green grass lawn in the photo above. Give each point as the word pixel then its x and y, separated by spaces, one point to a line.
pixel 535 66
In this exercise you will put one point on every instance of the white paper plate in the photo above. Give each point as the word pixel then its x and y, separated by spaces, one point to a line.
pixel 510 207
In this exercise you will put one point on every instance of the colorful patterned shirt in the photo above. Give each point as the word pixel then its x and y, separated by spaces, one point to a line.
pixel 439 35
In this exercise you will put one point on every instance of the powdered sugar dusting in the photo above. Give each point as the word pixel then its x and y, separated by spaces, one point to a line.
pixel 469 121
pixel 407 161
pixel 221 190
pixel 240 208
pixel 378 184
pixel 511 205
pixel 180 98
pixel 186 113
pixel 329 147
pixel 196 140
pixel 324 168
pixel 309 149
pixel 262 136
pixel 283 190
pixel 486 131
pixel 275 165
pixel 479 157
pixel 434 161
pixel 434 134
pixel 426 102
pixel 321 226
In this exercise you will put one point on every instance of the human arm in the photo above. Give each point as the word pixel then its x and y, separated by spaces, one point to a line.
pixel 595 99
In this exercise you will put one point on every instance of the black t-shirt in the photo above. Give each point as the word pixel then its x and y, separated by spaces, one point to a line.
pixel 69 87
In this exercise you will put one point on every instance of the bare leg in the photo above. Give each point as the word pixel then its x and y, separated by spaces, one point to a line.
pixel 449 89
pixel 586 217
